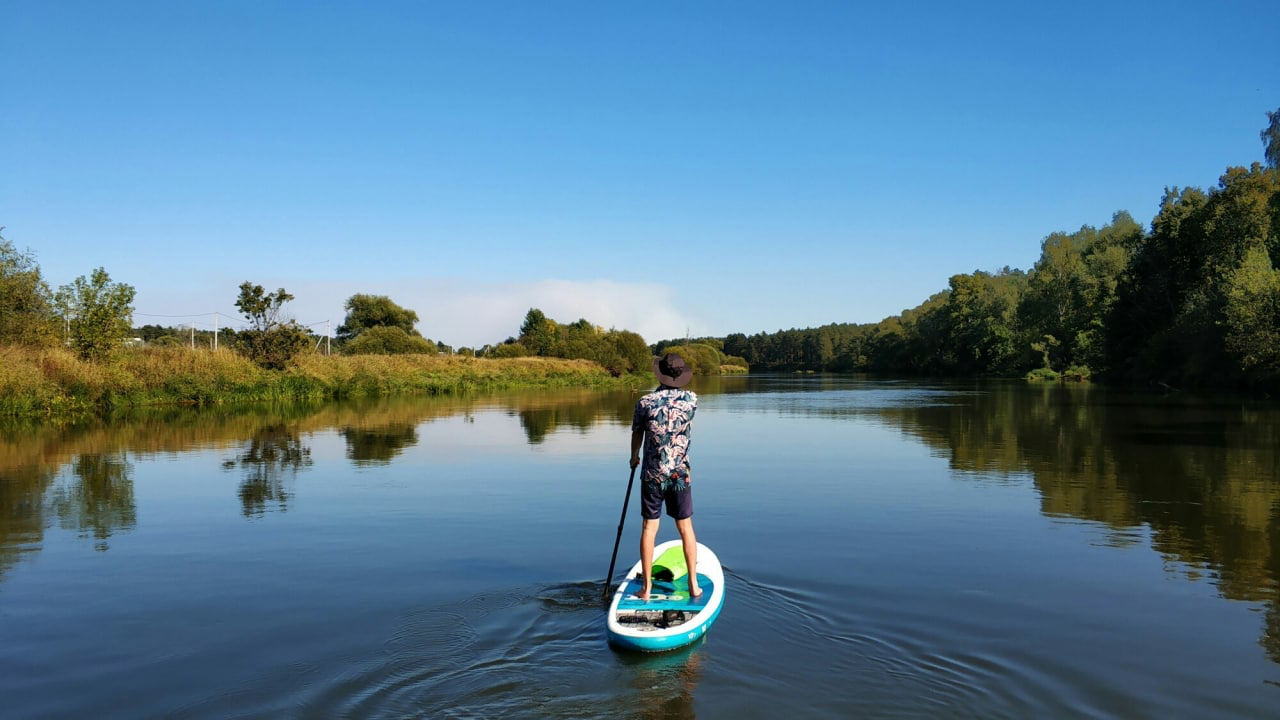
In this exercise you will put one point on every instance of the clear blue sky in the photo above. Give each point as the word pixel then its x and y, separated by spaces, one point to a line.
pixel 660 166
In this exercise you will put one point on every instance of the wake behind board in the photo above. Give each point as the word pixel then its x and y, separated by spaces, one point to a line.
pixel 669 619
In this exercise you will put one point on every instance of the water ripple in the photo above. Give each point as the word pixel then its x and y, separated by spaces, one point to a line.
pixel 536 652
pixel 880 658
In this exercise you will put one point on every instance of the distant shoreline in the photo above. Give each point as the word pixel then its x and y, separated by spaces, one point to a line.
pixel 53 383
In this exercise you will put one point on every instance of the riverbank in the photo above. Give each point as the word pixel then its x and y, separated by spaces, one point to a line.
pixel 51 382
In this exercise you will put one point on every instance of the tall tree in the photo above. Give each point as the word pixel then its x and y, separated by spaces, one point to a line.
pixel 1252 314
pixel 538 332
pixel 99 314
pixel 1153 289
pixel 1170 323
pixel 630 351
pixel 271 341
pixel 1071 291
pixel 369 311
pixel 981 314
pixel 738 344
pixel 26 309
pixel 1271 139
pixel 261 308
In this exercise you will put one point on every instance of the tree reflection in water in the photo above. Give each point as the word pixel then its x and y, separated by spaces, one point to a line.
pixel 1195 478
pixel 540 420
pixel 274 453
pixel 22 491
pixel 378 445
pixel 98 500
pixel 1199 473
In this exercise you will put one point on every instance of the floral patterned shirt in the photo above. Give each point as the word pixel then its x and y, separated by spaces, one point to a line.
pixel 665 415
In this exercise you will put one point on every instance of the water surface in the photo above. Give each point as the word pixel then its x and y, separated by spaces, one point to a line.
pixel 892 549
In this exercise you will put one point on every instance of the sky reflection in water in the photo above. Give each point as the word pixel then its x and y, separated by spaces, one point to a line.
pixel 899 548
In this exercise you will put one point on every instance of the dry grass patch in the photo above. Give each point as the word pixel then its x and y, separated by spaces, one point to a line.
pixel 52 380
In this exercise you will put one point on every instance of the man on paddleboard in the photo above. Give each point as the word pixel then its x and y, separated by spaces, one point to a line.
pixel 661 425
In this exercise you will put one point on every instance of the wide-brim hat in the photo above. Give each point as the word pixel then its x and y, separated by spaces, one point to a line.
pixel 672 370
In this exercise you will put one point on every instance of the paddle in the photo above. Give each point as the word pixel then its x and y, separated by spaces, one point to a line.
pixel 625 500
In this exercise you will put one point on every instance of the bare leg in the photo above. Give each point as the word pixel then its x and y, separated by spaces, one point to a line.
pixel 648 533
pixel 690 542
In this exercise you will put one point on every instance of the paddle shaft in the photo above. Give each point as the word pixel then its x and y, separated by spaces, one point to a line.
pixel 622 520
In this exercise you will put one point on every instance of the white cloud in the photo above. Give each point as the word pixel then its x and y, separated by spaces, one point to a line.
pixel 476 313
pixel 456 312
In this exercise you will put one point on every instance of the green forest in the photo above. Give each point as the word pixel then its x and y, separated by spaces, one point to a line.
pixel 1192 301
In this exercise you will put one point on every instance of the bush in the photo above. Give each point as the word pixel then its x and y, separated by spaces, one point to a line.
pixel 1077 373
pixel 509 350
pixel 702 359
pixel 630 350
pixel 1043 375
pixel 388 340
pixel 273 349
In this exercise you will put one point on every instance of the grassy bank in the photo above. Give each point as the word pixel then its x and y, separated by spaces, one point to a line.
pixel 54 381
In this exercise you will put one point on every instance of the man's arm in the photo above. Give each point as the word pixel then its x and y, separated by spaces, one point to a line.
pixel 637 439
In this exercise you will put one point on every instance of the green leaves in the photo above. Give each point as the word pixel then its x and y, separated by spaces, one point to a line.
pixel 99 314
pixel 1072 289
pixel 271 342
pixel 276 348
pixel 1271 139
pixel 537 332
pixel 618 351
pixel 261 308
pixel 388 340
pixel 1252 313
pixel 375 311
pixel 981 315
pixel 1182 314
pixel 26 309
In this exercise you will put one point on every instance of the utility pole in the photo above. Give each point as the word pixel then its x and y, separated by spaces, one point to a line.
pixel 215 332
pixel 328 348
pixel 193 336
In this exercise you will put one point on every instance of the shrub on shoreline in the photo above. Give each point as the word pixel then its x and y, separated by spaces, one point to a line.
pixel 1043 374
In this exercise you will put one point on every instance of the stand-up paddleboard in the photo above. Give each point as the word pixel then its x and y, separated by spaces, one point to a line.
pixel 669 618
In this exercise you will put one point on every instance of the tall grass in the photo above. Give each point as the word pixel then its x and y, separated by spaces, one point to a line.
pixel 47 382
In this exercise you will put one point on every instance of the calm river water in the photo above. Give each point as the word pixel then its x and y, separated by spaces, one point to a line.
pixel 893 550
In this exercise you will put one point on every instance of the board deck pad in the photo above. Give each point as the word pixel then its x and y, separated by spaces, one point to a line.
pixel 666 596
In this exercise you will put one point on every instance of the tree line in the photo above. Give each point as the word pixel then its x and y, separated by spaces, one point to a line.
pixel 618 351
pixel 704 355
pixel 93 316
pixel 1192 301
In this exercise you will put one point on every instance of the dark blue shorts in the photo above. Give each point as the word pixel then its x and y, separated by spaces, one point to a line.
pixel 679 502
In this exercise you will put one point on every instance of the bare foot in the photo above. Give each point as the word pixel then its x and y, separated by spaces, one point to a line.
pixel 643 595
pixel 695 592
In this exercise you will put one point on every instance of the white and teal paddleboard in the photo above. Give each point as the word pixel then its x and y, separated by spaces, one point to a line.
pixel 669 619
